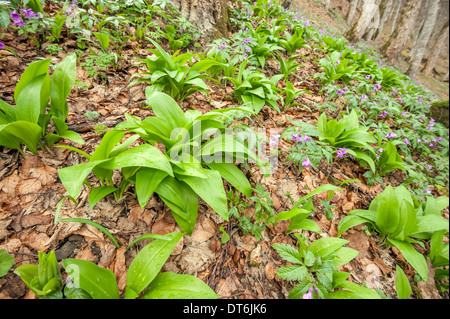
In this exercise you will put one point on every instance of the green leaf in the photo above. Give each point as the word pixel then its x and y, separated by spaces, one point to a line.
pixel 325 246
pixel 416 259
pixel 231 173
pixel 168 285
pixel 61 84
pixel 103 39
pixel 225 237
pixel 148 262
pixel 20 131
pixel 97 193
pixel 361 292
pixel 33 71
pixel 307 224
pixel 99 283
pixel 28 105
pixel 211 190
pixel 27 273
pixel 165 107
pixel 147 181
pixel 429 223
pixel 320 189
pixel 299 290
pixel 402 285
pixel 286 215
pixel 6 262
pixel 182 201
pixel 288 253
pixel 344 255
pixel 293 272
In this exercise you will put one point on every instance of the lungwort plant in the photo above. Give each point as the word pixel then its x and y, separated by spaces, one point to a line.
pixel 39 99
pixel 193 163
pixel 400 220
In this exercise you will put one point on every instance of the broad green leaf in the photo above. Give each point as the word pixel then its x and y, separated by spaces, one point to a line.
pixel 109 141
pixel 165 107
pixel 349 221
pixel 344 255
pixel 299 290
pixel 28 105
pixel 361 292
pixel 286 215
pixel 72 177
pixel 97 193
pixel 211 190
pixel 231 173
pixel 429 223
pixel 148 236
pixel 6 262
pixel 307 224
pixel 148 262
pixel 182 201
pixel 169 285
pixel 33 71
pixel 61 84
pixel 144 155
pixel 325 246
pixel 27 273
pixel 402 285
pixel 20 131
pixel 416 259
pixel 99 283
pixel 147 181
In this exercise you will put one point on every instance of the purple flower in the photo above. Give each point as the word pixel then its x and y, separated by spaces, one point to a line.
pixel 427 191
pixel 254 3
pixel 306 163
pixel 377 87
pixel 2 46
pixel 368 77
pixel 390 135
pixel 248 50
pixel 29 13
pixel 406 141
pixel 14 15
pixel 19 23
pixel 429 166
pixel 419 140
pixel 341 152
pixel 394 91
pixel 340 92
pixel 275 137
pixel 363 97
pixel 219 47
pixel 404 113
pixel 337 62
pixel 429 105
pixel 245 55
pixel 420 99
pixel 247 40
pixel 383 114
pixel 309 295
pixel 306 138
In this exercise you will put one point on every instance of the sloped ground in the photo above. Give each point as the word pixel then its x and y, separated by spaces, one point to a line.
pixel 243 267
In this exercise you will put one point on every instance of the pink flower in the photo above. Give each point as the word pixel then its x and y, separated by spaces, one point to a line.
pixel 306 163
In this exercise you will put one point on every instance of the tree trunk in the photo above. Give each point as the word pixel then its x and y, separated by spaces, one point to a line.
pixel 286 4
pixel 385 11
pixel 209 17
pixel 394 20
pixel 419 27
pixel 327 5
pixel 369 9
pixel 424 37
pixel 393 47
pixel 373 26
pixel 351 11
pixel 440 43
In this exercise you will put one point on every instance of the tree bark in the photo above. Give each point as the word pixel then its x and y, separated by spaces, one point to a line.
pixel 394 20
pixel 398 39
pixel 351 11
pixel 424 37
pixel 373 26
pixel 385 11
pixel 327 5
pixel 369 9
pixel 440 43
pixel 209 17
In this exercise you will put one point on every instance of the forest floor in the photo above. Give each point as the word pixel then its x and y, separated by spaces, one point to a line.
pixel 243 267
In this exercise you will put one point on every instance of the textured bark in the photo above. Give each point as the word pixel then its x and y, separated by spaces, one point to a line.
pixel 440 43
pixel 373 26
pixel 327 5
pixel 399 38
pixel 351 11
pixel 209 17
pixel 394 19
pixel 424 37
pixel 385 12
pixel 369 10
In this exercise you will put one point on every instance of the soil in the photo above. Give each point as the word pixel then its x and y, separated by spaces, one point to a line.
pixel 241 268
